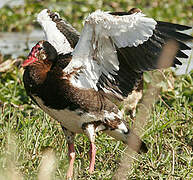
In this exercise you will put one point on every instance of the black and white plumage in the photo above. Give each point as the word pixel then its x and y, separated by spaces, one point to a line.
pixel 114 44
pixel 62 35
pixel 78 88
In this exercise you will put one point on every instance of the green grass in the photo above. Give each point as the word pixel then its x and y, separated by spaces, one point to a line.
pixel 26 132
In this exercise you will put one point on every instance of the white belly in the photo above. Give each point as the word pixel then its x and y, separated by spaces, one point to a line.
pixel 71 120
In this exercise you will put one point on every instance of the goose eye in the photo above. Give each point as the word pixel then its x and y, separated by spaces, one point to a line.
pixel 43 56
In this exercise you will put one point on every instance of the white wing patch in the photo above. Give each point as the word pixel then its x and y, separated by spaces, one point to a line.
pixel 127 30
pixel 53 35
pixel 112 115
pixel 95 52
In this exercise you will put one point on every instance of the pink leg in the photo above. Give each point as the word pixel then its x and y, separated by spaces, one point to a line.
pixel 71 154
pixel 92 157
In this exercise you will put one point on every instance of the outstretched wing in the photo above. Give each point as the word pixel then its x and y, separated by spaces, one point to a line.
pixel 114 50
pixel 58 32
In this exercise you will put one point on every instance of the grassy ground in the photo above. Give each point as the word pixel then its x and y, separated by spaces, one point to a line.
pixel 26 132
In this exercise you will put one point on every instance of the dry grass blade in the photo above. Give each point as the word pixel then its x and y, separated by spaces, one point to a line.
pixel 47 166
pixel 12 173
pixel 168 53
pixel 9 64
pixel 144 109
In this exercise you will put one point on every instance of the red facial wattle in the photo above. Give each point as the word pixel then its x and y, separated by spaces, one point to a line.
pixel 32 56
pixel 31 59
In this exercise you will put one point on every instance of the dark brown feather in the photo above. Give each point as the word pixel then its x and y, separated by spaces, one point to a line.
pixel 47 83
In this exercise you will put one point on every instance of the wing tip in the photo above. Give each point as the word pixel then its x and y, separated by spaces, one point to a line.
pixel 43 15
pixel 175 26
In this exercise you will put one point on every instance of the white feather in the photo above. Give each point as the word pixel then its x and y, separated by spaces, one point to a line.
pixel 112 115
pixel 53 35
pixel 96 52
pixel 127 30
